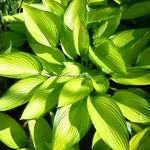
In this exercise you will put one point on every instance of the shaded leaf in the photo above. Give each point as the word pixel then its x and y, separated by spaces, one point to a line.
pixel 19 65
pixel 71 123
pixel 41 133
pixel 20 92
pixel 133 106
pixel 75 90
pixel 11 132
pixel 108 121
pixel 135 10
pixel 16 38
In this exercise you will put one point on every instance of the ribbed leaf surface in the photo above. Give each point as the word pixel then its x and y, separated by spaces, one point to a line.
pixel 134 107
pixel 71 123
pixel 108 121
pixel 20 92
pixel 19 65
pixel 75 90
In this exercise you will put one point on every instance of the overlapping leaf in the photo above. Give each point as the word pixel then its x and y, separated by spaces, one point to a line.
pixel 106 55
pixel 136 10
pixel 50 54
pixel 72 70
pixel 134 77
pixel 19 65
pixel 44 24
pixel 143 60
pixel 108 121
pixel 75 90
pixel 20 92
pixel 11 132
pixel 75 8
pixel 133 106
pixel 71 123
pixel 141 140
pixel 81 37
pixel 41 133
pixel 43 100
pixel 102 13
pixel 98 143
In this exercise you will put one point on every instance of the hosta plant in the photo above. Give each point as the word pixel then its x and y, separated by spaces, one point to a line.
pixel 81 64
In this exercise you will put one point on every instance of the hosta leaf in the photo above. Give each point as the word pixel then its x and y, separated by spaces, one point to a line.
pixel 102 13
pixel 141 140
pixel 19 65
pixel 75 8
pixel 43 25
pixel 131 55
pixel 126 39
pixel 16 38
pixel 18 93
pixel 50 54
pixel 108 121
pixel 81 37
pixel 135 10
pixel 44 99
pixel 55 6
pixel 67 45
pixel 143 60
pixel 106 55
pixel 134 77
pixel 71 123
pixel 41 133
pixel 63 2
pixel 71 70
pixel 134 107
pixel 121 1
pixel 11 132
pixel 100 83
pixel 74 90
pixel 93 3
pixel 98 143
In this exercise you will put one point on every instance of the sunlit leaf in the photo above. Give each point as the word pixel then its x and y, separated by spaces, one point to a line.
pixel 141 140
pixel 106 55
pixel 75 8
pixel 18 93
pixel 134 107
pixel 43 25
pixel 102 13
pixel 50 54
pixel 136 10
pixel 41 133
pixel 11 132
pixel 71 123
pixel 126 39
pixel 55 6
pixel 67 45
pixel 108 121
pixel 19 65
pixel 75 90
pixel 143 60
pixel 72 70
pixel 81 37
pixel 16 38
pixel 93 3
pixel 44 99
pixel 98 143
pixel 133 77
